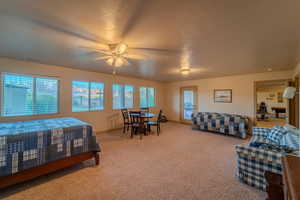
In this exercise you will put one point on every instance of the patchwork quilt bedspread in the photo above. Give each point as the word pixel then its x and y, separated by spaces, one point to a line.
pixel 28 144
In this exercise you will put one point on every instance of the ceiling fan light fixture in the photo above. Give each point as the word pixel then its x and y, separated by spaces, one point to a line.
pixel 119 62
pixel 185 71
pixel 121 48
pixel 110 61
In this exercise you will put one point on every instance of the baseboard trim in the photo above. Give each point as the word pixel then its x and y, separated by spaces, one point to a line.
pixel 179 122
pixel 175 121
pixel 108 130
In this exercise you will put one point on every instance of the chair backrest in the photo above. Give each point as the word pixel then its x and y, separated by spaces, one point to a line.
pixel 146 109
pixel 135 116
pixel 136 119
pixel 159 118
pixel 125 115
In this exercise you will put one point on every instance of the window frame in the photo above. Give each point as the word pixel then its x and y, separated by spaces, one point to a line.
pixel 89 97
pixel 123 85
pixel 34 77
pixel 147 96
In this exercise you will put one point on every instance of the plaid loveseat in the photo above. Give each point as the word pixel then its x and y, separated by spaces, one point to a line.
pixel 253 162
pixel 228 124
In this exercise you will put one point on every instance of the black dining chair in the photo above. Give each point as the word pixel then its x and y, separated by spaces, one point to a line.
pixel 145 109
pixel 155 123
pixel 126 120
pixel 137 124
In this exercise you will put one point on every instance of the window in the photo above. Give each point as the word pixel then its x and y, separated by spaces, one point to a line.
pixel 147 97
pixel 122 96
pixel 28 95
pixel 87 96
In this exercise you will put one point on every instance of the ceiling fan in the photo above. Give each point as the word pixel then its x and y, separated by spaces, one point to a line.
pixel 118 55
pixel 115 55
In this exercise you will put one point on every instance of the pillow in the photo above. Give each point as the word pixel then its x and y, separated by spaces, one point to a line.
pixel 290 142
pixel 257 141
pixel 276 133
pixel 292 129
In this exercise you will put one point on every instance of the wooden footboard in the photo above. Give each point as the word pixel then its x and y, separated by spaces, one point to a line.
pixel 47 168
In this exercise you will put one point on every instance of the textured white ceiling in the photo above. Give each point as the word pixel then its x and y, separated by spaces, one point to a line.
pixel 216 38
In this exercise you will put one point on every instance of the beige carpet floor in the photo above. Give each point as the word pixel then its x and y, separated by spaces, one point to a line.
pixel 181 163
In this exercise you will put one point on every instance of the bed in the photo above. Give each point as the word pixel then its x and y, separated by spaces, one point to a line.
pixel 29 149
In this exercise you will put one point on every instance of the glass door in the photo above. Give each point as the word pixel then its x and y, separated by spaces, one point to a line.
pixel 188 103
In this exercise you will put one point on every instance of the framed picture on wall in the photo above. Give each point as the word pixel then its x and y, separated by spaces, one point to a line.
pixel 223 96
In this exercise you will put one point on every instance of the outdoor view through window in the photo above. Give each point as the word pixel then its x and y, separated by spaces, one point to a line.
pixel 147 97
pixel 87 96
pixel 28 95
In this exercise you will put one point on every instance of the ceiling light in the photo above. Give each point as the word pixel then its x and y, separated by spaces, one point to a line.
pixel 119 62
pixel 185 71
pixel 121 48
pixel 110 61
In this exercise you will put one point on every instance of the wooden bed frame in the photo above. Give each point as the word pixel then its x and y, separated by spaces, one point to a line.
pixel 47 168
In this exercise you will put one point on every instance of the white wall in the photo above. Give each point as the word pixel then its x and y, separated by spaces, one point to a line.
pixel 167 95
pixel 101 120
pixel 242 93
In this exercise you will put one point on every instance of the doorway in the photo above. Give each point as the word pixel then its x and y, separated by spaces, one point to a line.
pixel 270 107
pixel 188 103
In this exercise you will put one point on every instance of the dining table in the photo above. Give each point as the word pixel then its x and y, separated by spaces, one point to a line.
pixel 145 116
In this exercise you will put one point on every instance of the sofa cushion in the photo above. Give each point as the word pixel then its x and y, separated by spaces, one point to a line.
pixel 258 141
pixel 259 131
pixel 276 133
pixel 276 148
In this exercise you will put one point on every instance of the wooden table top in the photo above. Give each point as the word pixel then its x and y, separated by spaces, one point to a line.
pixel 291 170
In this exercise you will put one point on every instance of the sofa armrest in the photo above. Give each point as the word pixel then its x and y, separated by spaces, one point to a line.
pixel 255 162
pixel 259 154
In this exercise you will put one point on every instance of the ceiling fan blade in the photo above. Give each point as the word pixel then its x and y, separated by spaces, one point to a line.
pixel 103 58
pixel 97 49
pixel 135 57
pixel 102 51
pixel 134 16
pixel 126 61
pixel 157 50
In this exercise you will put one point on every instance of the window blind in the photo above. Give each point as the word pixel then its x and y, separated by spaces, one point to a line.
pixel 147 97
pixel 87 96
pixel 122 96
pixel 28 95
